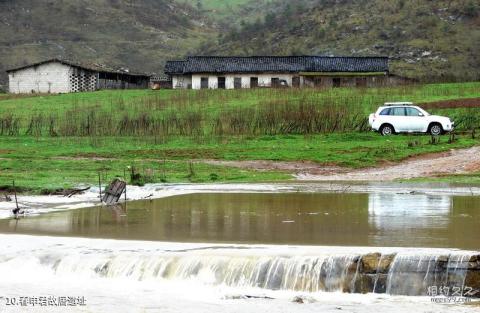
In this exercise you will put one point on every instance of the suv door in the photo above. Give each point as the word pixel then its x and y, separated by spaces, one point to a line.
pixel 416 120
pixel 397 118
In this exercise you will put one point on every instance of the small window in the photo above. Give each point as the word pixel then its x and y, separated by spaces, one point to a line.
pixel 385 112
pixel 237 82
pixel 204 83
pixel 413 112
pixel 397 111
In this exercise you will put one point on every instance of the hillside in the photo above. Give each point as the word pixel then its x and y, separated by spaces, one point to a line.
pixel 139 35
pixel 217 8
pixel 426 39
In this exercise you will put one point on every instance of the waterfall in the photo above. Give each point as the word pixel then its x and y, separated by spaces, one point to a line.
pixel 413 274
pixel 311 274
pixel 402 272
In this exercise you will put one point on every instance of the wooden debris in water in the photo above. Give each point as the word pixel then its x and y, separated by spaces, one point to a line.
pixel 114 191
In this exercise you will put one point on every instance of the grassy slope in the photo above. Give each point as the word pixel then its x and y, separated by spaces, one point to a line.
pixel 54 162
pixel 156 102
pixel 222 4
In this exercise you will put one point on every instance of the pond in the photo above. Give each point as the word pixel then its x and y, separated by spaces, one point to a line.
pixel 330 219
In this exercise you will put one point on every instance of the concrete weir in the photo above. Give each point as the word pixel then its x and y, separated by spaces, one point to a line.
pixel 403 273
pixel 419 274
pixel 311 269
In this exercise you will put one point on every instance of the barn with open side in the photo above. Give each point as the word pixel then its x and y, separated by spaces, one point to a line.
pixel 62 76
pixel 212 72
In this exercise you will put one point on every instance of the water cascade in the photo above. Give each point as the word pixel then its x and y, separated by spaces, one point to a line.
pixel 392 272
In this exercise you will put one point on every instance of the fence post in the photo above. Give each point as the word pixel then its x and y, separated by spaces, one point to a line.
pixel 15 192
pixel 100 186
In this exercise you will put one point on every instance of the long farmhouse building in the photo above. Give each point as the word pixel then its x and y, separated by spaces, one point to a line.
pixel 214 72
pixel 62 76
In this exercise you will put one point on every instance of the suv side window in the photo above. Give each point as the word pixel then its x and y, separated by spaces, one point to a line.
pixel 397 111
pixel 412 112
pixel 385 112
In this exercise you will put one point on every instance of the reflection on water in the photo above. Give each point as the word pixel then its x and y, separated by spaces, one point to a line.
pixel 289 218
pixel 421 217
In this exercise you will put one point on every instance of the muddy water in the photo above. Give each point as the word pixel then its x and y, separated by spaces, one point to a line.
pixel 339 219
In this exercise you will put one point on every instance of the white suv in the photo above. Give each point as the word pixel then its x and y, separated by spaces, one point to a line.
pixel 404 117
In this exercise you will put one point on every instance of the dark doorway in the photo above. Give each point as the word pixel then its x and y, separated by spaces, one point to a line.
pixel 204 83
pixel 237 82
pixel 296 82
pixel 275 82
pixel 253 82
pixel 221 83
pixel 337 82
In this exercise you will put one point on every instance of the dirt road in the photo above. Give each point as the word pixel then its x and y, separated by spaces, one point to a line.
pixel 460 161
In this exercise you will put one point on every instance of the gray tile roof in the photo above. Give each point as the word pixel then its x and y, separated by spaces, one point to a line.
pixel 174 67
pixel 94 67
pixel 276 64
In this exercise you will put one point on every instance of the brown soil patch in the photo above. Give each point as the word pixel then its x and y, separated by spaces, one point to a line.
pixel 462 161
pixel 293 167
pixel 453 104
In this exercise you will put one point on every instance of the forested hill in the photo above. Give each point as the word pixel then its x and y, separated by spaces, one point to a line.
pixel 426 39
pixel 138 34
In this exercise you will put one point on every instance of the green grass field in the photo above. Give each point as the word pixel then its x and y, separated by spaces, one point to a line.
pixel 48 163
pixel 169 132
pixel 137 101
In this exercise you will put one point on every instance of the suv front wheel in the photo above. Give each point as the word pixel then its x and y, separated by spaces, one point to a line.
pixel 387 130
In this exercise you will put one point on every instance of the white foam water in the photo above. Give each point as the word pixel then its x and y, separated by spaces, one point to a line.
pixel 296 268
pixel 136 276
pixel 412 274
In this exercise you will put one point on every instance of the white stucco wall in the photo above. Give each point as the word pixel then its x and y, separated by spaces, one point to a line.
pixel 181 81
pixel 264 80
pixel 46 78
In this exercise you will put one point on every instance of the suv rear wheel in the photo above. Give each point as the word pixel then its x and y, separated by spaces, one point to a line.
pixel 435 129
pixel 387 130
